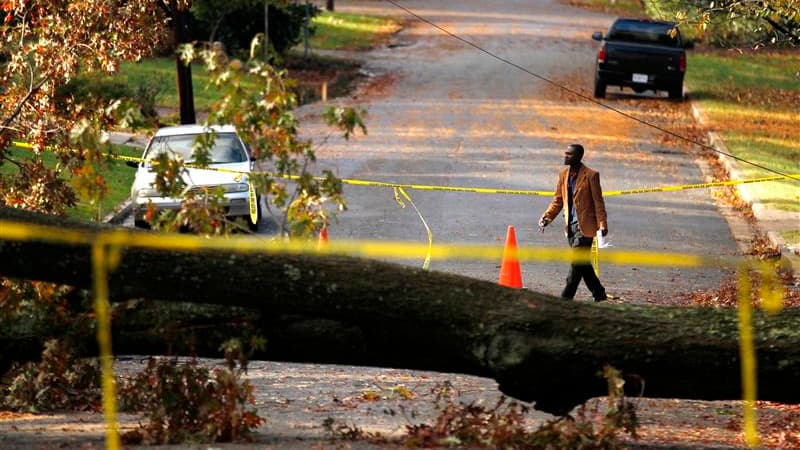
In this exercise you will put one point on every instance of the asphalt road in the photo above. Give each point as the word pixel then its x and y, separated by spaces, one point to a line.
pixel 458 117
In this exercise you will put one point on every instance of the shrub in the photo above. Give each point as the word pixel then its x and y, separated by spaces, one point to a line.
pixel 183 401
pixel 236 23
pixel 138 98
pixel 60 381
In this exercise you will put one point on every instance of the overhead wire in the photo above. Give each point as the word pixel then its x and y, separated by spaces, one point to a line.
pixel 586 97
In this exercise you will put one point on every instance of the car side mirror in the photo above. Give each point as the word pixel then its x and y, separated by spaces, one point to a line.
pixel 134 164
pixel 597 36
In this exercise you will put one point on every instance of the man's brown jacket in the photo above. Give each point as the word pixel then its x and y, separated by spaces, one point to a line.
pixel 587 198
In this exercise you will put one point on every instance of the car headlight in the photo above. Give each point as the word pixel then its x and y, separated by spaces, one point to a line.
pixel 235 187
pixel 147 192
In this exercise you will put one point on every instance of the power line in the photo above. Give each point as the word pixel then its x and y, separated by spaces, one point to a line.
pixel 586 97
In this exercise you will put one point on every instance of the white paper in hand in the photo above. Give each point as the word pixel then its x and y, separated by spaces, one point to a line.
pixel 602 242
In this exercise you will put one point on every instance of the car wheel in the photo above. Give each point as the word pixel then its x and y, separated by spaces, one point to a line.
pixel 253 226
pixel 599 88
pixel 676 93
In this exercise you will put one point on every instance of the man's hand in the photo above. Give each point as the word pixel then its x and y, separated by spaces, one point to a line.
pixel 543 222
pixel 604 231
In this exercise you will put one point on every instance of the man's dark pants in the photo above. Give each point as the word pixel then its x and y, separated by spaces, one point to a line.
pixel 582 270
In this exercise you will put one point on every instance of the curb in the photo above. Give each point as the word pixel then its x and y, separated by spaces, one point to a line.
pixel 732 167
pixel 124 209
pixel 122 213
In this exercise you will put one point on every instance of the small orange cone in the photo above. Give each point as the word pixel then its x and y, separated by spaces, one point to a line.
pixel 323 238
pixel 510 274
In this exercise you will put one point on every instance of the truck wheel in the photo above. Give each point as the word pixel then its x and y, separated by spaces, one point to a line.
pixel 599 88
pixel 676 93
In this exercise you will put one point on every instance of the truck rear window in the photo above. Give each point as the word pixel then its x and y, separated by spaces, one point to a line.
pixel 644 33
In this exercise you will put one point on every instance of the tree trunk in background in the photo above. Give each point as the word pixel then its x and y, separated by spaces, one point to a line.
pixel 329 5
pixel 343 310
pixel 180 22
pixel 266 31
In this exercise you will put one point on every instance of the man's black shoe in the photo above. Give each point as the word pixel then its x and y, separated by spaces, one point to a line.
pixel 601 299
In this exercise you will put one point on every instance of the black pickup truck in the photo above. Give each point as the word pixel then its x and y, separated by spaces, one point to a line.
pixel 642 55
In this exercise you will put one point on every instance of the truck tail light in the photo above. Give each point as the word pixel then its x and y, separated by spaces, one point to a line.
pixel 601 54
pixel 682 63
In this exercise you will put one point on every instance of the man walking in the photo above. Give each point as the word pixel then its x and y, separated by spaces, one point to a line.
pixel 584 215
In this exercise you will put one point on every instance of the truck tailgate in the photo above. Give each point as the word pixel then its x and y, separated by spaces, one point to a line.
pixel 642 58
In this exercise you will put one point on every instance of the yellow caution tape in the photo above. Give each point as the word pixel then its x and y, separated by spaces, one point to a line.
pixel 101 264
pixel 682 187
pixel 425 187
pixel 252 201
pixel 399 191
pixel 124 158
pixel 672 188
pixel 106 246
pixel 771 291
pixel 748 358
pixel 771 294
pixel 369 249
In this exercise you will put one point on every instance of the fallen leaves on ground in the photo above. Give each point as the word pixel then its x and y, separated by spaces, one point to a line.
pixel 376 87
pixel 701 424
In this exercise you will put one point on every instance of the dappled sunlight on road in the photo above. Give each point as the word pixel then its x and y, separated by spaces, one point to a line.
pixel 498 120
pixel 455 116
pixel 538 22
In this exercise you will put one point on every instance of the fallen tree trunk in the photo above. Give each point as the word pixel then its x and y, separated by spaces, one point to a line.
pixel 351 311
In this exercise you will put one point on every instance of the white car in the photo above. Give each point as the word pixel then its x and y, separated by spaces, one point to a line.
pixel 228 152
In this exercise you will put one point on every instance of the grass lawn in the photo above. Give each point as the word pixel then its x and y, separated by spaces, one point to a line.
pixel 341 31
pixel 753 101
pixel 791 236
pixel 625 8
pixel 117 175
pixel 162 72
pixel 334 31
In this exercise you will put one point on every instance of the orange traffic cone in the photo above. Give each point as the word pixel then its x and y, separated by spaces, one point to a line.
pixel 510 274
pixel 323 238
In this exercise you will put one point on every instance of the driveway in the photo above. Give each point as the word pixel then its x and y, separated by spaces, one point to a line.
pixel 455 116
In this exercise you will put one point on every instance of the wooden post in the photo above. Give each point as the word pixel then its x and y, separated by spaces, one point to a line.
pixel 305 29
pixel 184 71
pixel 266 30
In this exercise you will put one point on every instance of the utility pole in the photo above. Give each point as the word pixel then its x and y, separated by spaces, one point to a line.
pixel 266 31
pixel 305 29
pixel 180 23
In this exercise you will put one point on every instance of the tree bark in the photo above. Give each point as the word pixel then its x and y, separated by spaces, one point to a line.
pixel 337 309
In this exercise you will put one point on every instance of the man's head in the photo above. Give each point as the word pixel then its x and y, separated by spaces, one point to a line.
pixel 573 155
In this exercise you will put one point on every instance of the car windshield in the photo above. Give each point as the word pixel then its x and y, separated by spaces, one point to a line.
pixel 644 33
pixel 227 148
